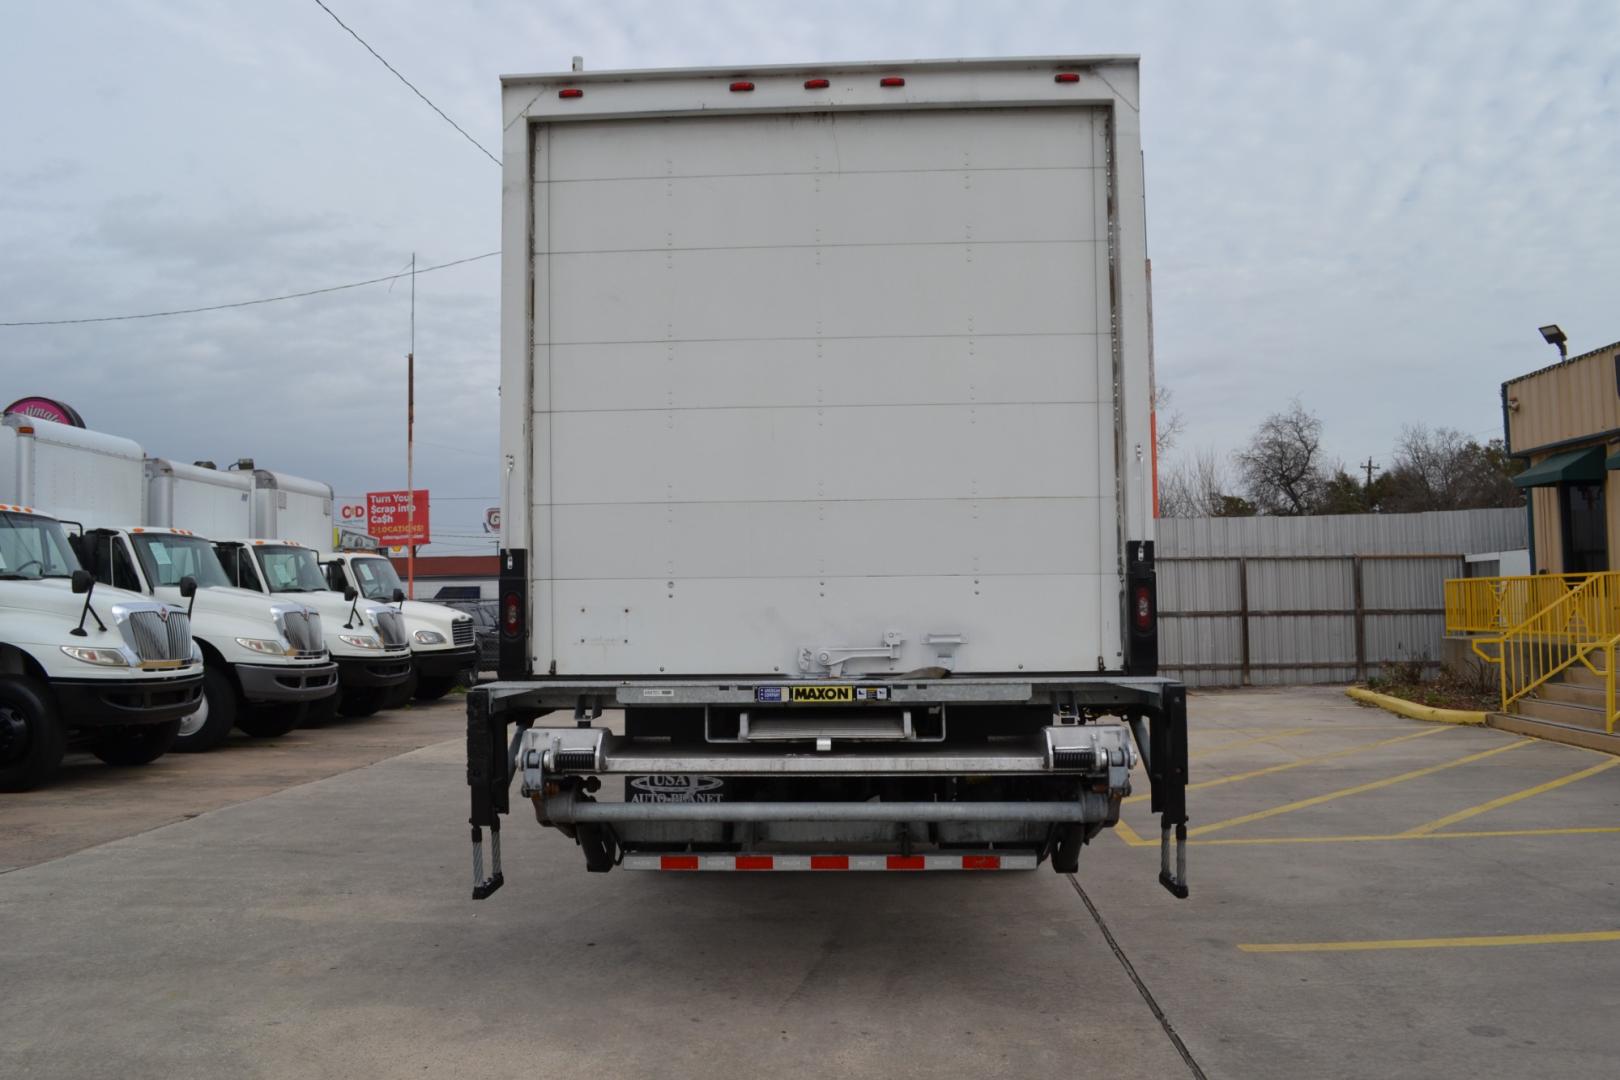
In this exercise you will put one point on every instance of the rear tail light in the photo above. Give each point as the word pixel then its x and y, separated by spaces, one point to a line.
pixel 891 80
pixel 571 92
pixel 1144 609
pixel 511 615
pixel 741 87
pixel 817 84
pixel 1066 77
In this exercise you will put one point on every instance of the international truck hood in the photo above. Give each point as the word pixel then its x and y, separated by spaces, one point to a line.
pixel 55 597
pixel 224 600
pixel 334 612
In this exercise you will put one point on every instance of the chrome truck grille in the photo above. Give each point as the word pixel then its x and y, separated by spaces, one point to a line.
pixel 391 627
pixel 461 632
pixel 303 631
pixel 160 635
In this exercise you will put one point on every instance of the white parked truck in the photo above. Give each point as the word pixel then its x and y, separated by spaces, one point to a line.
pixel 367 640
pixel 101 666
pixel 265 661
pixel 827 449
pixel 443 651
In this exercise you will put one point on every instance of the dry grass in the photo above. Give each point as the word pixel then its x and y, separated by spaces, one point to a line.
pixel 1447 689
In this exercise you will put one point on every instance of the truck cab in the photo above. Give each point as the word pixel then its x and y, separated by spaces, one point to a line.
pixel 105 668
pixel 443 651
pixel 366 639
pixel 266 662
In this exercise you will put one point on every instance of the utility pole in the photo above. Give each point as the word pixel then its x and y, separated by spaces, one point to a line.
pixel 1369 468
pixel 410 445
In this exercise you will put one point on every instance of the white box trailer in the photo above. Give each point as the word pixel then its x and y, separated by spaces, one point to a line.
pixel 291 508
pixel 210 502
pixel 827 383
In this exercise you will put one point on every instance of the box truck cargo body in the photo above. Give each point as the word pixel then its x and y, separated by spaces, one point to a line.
pixel 826 432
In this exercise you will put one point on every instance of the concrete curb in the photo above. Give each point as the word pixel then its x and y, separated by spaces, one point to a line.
pixel 1414 710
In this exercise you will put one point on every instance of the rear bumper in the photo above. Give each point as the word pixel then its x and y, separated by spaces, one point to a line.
pixel 111 702
pixel 442 662
pixel 355 673
pixel 262 682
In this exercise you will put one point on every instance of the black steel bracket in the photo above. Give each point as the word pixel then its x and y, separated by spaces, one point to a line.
pixel 489 781
pixel 1167 773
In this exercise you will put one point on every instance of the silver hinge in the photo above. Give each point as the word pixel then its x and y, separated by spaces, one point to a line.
pixel 834 657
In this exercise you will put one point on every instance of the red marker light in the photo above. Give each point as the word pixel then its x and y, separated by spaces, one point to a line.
pixel 1144 609
pixel 513 615
pixel 891 80
pixel 817 84
pixel 1066 77
pixel 739 87
pixel 571 92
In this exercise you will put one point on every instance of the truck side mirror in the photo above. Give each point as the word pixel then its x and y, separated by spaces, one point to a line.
pixel 350 594
pixel 188 587
pixel 82 582
pixel 399 596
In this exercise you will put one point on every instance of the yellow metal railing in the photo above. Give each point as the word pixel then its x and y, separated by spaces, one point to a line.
pixel 1491 605
pixel 1580 625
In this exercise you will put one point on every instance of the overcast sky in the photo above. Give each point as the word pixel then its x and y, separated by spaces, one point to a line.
pixel 1371 208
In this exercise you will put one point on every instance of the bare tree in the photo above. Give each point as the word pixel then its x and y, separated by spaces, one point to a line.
pixel 1168 422
pixel 1199 486
pixel 1443 469
pixel 1282 469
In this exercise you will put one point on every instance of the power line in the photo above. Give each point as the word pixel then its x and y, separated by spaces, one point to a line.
pixel 407 82
pixel 250 303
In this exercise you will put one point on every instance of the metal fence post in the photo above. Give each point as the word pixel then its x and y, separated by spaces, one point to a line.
pixel 1361 618
pixel 1243 617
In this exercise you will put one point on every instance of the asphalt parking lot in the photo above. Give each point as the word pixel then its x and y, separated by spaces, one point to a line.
pixel 1371 897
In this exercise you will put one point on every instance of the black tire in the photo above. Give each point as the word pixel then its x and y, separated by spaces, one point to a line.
pixel 271 721
pixel 322 712
pixel 361 702
pixel 211 724
pixel 32 741
pixel 434 687
pixel 398 697
pixel 135 745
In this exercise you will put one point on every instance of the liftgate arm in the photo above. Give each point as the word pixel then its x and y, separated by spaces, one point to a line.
pixel 489 779
pixel 1167 773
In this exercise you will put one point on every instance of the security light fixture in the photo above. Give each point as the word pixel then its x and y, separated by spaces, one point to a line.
pixel 1555 336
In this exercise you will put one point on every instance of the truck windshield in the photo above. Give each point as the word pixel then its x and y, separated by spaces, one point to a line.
pixel 34 547
pixel 290 569
pixel 167 558
pixel 376 578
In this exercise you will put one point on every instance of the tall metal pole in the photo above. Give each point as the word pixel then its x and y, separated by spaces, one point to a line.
pixel 410 445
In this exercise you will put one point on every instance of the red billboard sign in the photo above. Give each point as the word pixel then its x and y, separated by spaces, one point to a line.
pixel 388 517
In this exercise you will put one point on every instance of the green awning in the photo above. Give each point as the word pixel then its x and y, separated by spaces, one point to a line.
pixel 1614 461
pixel 1577 466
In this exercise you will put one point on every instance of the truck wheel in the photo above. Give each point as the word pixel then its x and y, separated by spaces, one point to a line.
pixel 322 712
pixel 271 721
pixel 360 702
pixel 211 724
pixel 136 745
pixel 31 739
pixel 434 687
pixel 400 696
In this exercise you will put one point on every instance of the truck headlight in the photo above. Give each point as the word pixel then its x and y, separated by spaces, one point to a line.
pixel 99 657
pixel 429 637
pixel 360 641
pixel 268 646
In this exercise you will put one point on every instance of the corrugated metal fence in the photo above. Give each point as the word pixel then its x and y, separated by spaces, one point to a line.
pixel 1268 601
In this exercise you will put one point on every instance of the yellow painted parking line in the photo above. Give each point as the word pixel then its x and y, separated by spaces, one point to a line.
pixel 1205 751
pixel 1436 943
pixel 1318 800
pixel 1508 800
pixel 1261 841
pixel 1269 769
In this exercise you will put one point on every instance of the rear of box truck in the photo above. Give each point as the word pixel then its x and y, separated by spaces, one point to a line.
pixel 828 386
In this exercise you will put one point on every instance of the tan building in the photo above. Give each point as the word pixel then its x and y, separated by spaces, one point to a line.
pixel 1565 419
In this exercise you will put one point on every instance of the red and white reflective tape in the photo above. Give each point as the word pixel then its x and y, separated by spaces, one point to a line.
pixel 828 862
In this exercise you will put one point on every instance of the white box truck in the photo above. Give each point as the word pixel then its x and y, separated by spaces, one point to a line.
pixel 103 667
pixel 827 458
pixel 265 661
pixel 443 651
pixel 365 640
